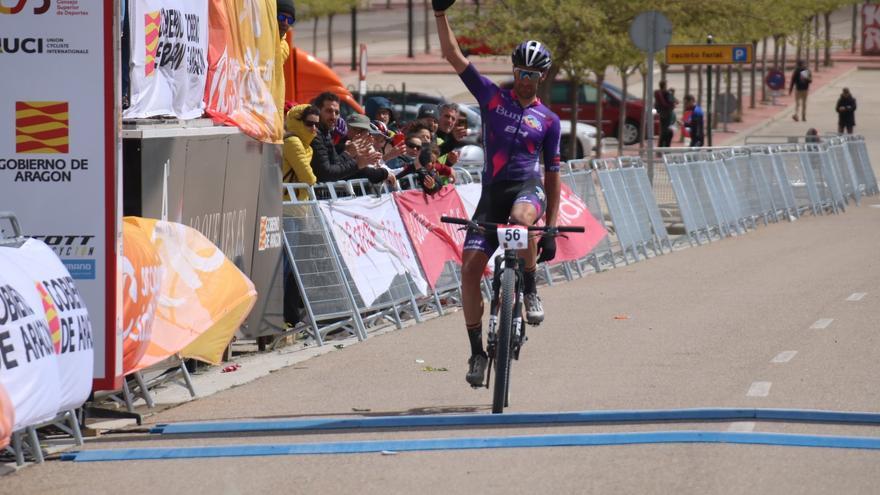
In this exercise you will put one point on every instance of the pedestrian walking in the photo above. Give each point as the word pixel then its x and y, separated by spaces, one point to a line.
pixel 664 103
pixel 800 80
pixel 846 112
pixel 694 122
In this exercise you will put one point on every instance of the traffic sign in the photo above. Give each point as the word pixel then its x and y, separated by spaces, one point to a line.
pixel 775 79
pixel 650 31
pixel 708 54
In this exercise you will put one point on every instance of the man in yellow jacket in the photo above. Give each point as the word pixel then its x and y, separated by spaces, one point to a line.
pixel 302 125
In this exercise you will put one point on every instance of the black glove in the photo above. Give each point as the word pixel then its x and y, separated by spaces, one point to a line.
pixel 546 248
pixel 441 5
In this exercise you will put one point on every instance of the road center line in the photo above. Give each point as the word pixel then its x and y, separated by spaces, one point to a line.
pixel 821 323
pixel 759 389
pixel 784 357
pixel 857 296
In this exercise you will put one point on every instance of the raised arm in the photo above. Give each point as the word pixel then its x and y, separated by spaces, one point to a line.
pixel 448 44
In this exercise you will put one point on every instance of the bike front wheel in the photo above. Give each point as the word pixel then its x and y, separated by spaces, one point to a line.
pixel 504 336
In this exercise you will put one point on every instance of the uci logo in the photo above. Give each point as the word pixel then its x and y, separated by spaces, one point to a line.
pixel 19 6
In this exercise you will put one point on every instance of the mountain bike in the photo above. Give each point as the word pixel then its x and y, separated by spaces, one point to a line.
pixel 506 308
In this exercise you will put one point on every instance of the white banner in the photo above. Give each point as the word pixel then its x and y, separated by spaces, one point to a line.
pixel 59 149
pixel 169 58
pixel 373 243
pixel 28 360
pixel 66 317
pixel 470 197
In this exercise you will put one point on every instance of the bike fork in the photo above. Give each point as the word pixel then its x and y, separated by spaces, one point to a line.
pixel 491 336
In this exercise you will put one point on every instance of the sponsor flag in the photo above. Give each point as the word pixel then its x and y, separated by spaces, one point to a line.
pixel 373 243
pixel 434 242
pixel 141 285
pixel 241 67
pixel 28 363
pixel 169 58
pixel 203 297
pixel 41 127
pixel 65 317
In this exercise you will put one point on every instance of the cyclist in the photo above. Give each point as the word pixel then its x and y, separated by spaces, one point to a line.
pixel 518 130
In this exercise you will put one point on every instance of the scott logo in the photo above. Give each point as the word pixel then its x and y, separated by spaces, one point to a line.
pixel 19 6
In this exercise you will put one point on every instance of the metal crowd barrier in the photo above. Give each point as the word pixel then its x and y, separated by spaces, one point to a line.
pixel 317 268
pixel 633 208
pixel 714 192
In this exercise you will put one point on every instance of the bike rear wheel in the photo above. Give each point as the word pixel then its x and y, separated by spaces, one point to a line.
pixel 504 337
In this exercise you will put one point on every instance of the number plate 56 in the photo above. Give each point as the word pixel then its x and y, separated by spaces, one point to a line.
pixel 513 237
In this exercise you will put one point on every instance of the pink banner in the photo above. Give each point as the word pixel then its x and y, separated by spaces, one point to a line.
pixel 573 212
pixel 435 243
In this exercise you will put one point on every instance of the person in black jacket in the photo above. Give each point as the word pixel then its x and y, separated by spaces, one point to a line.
pixel 327 164
pixel 846 112
pixel 800 80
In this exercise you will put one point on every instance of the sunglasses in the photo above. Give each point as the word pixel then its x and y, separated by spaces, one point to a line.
pixel 414 146
pixel 311 123
pixel 530 75
pixel 289 19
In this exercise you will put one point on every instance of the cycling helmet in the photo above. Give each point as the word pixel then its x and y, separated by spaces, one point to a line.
pixel 531 54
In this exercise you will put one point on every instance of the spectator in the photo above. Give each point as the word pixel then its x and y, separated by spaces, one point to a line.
pixel 430 118
pixel 421 130
pixel 412 144
pixel 286 20
pixel 380 108
pixel 800 80
pixel 328 164
pixel 846 112
pixel 360 130
pixel 664 103
pixel 302 122
pixel 812 136
pixel 383 143
pixel 452 128
pixel 444 171
pixel 426 175
pixel 695 121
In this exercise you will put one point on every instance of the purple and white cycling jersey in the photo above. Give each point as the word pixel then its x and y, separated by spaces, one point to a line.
pixel 513 136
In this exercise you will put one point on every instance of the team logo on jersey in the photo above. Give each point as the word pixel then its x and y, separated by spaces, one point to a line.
pixel 540 192
pixel 532 122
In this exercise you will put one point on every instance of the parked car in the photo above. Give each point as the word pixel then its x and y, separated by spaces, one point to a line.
pixel 560 102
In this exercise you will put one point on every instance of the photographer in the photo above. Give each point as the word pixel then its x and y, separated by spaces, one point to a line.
pixel 422 166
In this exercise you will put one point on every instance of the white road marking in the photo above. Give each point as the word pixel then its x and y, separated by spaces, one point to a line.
pixel 874 206
pixel 857 296
pixel 784 357
pixel 821 323
pixel 759 389
pixel 742 426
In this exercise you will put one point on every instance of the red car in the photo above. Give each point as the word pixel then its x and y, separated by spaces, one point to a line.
pixel 560 102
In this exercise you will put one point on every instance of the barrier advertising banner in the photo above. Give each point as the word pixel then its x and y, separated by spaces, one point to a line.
pixel 28 357
pixel 573 212
pixel 66 318
pixel 243 37
pixel 434 242
pixel 373 243
pixel 203 297
pixel 59 149
pixel 169 58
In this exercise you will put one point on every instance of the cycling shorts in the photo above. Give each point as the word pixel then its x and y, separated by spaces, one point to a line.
pixel 496 203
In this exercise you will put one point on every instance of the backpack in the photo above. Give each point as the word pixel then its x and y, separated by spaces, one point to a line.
pixel 805 75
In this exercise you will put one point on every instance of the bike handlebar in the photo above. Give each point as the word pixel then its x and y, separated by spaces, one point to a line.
pixel 493 225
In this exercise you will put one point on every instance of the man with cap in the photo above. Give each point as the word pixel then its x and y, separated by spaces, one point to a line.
pixel 361 131
pixel 286 20
pixel 430 118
